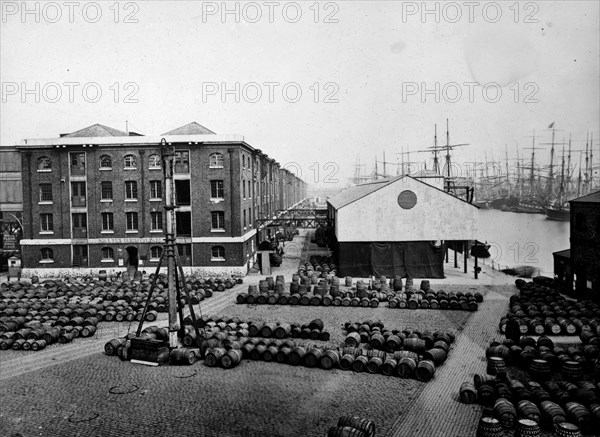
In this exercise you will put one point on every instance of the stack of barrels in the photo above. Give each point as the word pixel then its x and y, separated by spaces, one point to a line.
pixel 542 310
pixel 307 290
pixel 412 299
pixel 369 345
pixel 121 346
pixel 529 406
pixel 545 361
pixel 352 426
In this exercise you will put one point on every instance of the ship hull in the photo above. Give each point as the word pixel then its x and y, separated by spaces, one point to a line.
pixel 563 215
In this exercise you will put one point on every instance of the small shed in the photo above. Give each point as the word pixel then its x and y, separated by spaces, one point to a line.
pixel 397 227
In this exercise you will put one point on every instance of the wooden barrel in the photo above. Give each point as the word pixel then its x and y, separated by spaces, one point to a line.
pixel 257 352
pixel 283 330
pixel 527 428
pixel 486 394
pixel 231 359
pixel 345 431
pixel 374 364
pixel 566 429
pixel 438 356
pixel 539 369
pixel 415 344
pixel 425 370
pixel 213 356
pixel 406 367
pixel 296 356
pixel 329 359
pixel 346 361
pixel 364 425
pixel 579 415
pixel 312 357
pixel 270 353
pixel 489 427
pixel 572 370
pixel 495 366
pixel 528 410
pixel 388 367
pixel 353 339
pixel 505 411
pixel 182 355
pixel 552 413
pixel 467 393
pixel 360 362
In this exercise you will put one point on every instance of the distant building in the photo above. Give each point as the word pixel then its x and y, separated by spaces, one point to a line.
pixel 94 200
pixel 11 204
pixel 577 269
pixel 397 227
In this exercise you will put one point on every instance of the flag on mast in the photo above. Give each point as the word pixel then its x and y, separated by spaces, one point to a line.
pixel 551 125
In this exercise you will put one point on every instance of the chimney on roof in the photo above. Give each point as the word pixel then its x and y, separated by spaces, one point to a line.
pixel 127 127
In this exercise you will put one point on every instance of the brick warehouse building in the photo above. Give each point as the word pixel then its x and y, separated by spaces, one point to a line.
pixel 94 200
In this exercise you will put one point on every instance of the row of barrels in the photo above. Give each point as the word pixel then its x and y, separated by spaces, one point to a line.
pixel 378 336
pixel 487 388
pixel 233 331
pixel 542 358
pixel 439 300
pixel 494 395
pixel 352 426
pixel 404 364
pixel 550 325
pixel 542 310
pixel 37 336
pixel 305 299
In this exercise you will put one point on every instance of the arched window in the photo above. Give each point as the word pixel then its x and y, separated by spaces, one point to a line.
pixel 129 161
pixel 108 254
pixel 155 252
pixel 154 161
pixel 216 160
pixel 44 164
pixel 217 253
pixel 46 255
pixel 105 162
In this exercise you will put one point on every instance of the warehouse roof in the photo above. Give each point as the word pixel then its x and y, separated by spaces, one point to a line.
pixel 589 198
pixel 192 128
pixel 97 130
pixel 359 191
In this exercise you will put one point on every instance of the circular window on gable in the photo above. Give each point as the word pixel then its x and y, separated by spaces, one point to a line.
pixel 407 199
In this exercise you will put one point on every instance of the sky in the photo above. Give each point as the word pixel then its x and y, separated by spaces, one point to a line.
pixel 315 85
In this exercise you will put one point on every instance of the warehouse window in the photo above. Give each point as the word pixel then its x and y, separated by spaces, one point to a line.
pixel 216 190
pixel 155 253
pixel 105 162
pixel 46 255
pixel 45 192
pixel 244 219
pixel 407 199
pixel 218 220
pixel 183 221
pixel 155 189
pixel 156 221
pixel 108 254
pixel 106 191
pixel 154 161
pixel 131 190
pixel 183 192
pixel 44 164
pixel 182 161
pixel 132 221
pixel 108 223
pixel 216 160
pixel 217 253
pixel 46 222
pixel 129 162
